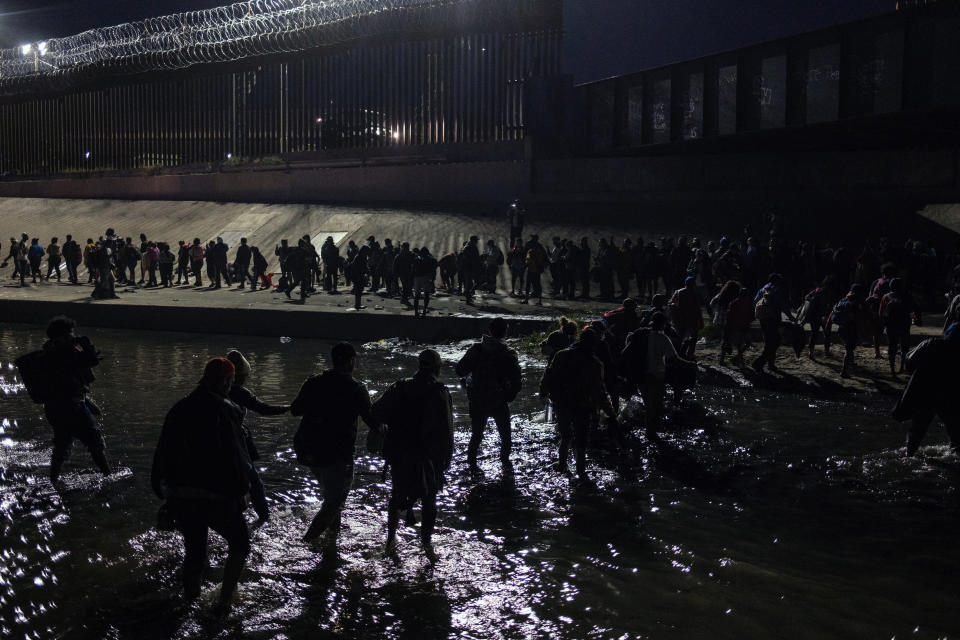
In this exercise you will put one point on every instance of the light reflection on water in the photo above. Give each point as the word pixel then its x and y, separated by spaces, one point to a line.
pixel 761 515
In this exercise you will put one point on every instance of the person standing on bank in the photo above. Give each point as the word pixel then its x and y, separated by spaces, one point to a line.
pixel 241 396
pixel 357 271
pixel 574 382
pixel 72 255
pixel 418 412
pixel 67 360
pixel 424 280
pixel 493 380
pixel 241 264
pixel 770 304
pixel 330 404
pixel 201 467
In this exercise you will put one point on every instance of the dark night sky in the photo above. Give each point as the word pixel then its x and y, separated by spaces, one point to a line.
pixel 604 37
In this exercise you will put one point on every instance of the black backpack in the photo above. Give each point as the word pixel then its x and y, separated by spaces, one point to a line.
pixel 35 375
pixel 489 384
pixel 634 360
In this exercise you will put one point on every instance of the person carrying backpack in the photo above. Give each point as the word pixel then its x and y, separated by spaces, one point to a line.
pixel 848 315
pixel 770 304
pixel 493 380
pixel 932 389
pixel 897 311
pixel 644 364
pixel 574 383
pixel 59 377
pixel 418 447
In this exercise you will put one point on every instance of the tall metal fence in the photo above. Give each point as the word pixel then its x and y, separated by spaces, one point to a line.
pixel 905 61
pixel 460 84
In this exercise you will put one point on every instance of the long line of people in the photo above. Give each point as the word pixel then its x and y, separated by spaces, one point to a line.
pixel 565 269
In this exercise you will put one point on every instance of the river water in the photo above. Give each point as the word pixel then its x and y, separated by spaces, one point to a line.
pixel 760 515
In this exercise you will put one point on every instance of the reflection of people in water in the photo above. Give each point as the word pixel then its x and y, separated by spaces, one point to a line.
pixel 932 389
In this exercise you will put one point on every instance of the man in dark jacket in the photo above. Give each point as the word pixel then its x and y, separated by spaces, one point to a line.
pixel 220 263
pixel 330 404
pixel 330 255
pixel 424 279
pixel 574 382
pixel 68 360
pixel 241 264
pixel 357 270
pixel 241 396
pixel 419 445
pixel 932 389
pixel 297 267
pixel 73 256
pixel 493 380
pixel 202 468
pixel 403 269
pixel 470 266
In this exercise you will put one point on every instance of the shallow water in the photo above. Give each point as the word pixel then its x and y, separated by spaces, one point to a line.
pixel 760 515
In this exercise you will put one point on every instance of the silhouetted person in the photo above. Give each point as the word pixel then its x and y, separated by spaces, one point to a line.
pixel 403 268
pixel 241 264
pixel 330 404
pixel 72 255
pixel 493 379
pixel 645 360
pixel 850 316
pixel 244 398
pixel 67 361
pixel 330 255
pixel 896 313
pixel 259 270
pixel 770 304
pixel 932 389
pixel 357 271
pixel 424 280
pixel 574 382
pixel 202 468
pixel 54 258
pixel 419 445
pixel 470 266
pixel 220 270
pixel 197 253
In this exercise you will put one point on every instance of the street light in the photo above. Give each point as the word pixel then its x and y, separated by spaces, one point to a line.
pixel 26 49
pixel 42 47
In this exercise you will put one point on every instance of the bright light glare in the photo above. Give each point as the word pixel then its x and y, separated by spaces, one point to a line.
pixel 319 120
pixel 26 49
pixel 87 155
pixel 229 155
pixel 42 47
pixel 396 135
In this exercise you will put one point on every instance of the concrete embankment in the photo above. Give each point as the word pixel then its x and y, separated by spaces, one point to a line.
pixel 299 323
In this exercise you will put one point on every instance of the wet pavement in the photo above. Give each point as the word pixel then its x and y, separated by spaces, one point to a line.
pixel 762 513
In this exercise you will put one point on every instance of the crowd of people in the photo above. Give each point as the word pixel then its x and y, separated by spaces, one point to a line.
pixel 203 466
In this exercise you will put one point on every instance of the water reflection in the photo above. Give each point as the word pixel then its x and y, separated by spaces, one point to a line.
pixel 758 514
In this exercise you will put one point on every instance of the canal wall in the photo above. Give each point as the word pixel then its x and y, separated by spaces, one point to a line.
pixel 307 322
